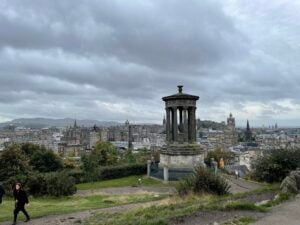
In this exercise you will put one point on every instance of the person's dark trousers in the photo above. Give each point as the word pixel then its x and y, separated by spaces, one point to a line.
pixel 17 210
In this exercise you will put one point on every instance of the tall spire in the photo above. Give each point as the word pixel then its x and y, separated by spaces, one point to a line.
pixel 248 126
pixel 75 124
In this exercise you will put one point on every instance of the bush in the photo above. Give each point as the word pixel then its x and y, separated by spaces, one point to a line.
pixel 59 184
pixel 78 175
pixel 122 171
pixel 203 181
pixel 37 184
pixel 46 161
pixel 111 172
pixel 276 164
pixel 13 162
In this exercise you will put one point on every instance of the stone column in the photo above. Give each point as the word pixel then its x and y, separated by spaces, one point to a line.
pixel 185 124
pixel 166 174
pixel 168 126
pixel 193 124
pixel 148 167
pixel 180 116
pixel 175 126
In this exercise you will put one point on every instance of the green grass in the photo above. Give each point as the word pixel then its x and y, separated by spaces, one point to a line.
pixel 120 182
pixel 177 208
pixel 40 207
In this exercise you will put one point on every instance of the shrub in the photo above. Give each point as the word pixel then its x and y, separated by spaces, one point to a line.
pixel 111 172
pixel 122 171
pixel 203 181
pixel 275 164
pixel 78 175
pixel 46 161
pixel 36 184
pixel 13 162
pixel 59 184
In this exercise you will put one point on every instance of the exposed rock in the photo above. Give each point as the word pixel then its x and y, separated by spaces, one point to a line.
pixel 291 183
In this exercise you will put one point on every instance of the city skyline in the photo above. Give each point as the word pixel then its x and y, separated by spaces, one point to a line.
pixel 114 61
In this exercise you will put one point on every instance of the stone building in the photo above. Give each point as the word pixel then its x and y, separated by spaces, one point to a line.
pixel 231 137
pixel 181 153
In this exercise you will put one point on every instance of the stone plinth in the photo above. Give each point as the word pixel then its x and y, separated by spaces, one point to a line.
pixel 180 159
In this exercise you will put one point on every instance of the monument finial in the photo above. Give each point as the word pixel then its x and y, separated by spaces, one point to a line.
pixel 180 88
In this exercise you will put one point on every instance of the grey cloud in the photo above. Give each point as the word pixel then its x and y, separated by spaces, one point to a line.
pixel 59 58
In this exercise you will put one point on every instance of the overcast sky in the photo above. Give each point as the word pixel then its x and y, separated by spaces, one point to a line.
pixel 114 60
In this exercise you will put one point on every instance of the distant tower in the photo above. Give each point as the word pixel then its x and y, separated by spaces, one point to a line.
pixel 276 126
pixel 127 123
pixel 75 124
pixel 231 122
pixel 128 126
pixel 248 133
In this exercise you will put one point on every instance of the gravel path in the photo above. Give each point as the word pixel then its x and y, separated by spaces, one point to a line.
pixel 287 213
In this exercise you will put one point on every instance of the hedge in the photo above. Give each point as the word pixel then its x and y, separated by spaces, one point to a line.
pixel 109 172
pixel 112 172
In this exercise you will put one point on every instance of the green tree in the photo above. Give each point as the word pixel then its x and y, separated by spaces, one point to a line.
pixel 46 161
pixel 13 162
pixel 105 154
pixel 274 165
pixel 128 157
pixel 29 149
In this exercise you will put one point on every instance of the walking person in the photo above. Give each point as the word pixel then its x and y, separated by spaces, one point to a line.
pixel 2 192
pixel 20 200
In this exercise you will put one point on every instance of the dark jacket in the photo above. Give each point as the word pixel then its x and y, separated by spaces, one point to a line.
pixel 2 192
pixel 21 196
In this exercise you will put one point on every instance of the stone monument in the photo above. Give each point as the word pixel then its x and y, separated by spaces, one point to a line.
pixel 181 153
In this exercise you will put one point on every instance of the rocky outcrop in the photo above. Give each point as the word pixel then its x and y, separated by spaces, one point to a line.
pixel 291 184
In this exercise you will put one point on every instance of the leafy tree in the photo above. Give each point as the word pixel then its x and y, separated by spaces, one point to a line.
pixel 46 161
pixel 128 157
pixel 90 167
pixel 13 162
pixel 29 149
pixel 274 165
pixel 105 154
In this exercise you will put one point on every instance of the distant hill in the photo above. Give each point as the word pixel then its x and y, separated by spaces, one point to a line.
pixel 38 123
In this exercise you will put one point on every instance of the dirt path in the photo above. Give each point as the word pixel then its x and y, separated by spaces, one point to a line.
pixel 215 217
pixel 287 213
pixel 127 190
pixel 78 217
pixel 241 185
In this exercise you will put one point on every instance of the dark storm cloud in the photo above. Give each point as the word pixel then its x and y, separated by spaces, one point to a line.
pixel 116 59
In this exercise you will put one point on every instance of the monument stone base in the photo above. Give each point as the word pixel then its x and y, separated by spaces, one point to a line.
pixel 179 160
